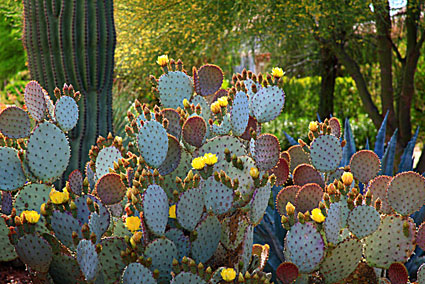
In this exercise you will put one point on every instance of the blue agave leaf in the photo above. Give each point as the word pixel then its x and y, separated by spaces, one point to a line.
pixel 318 117
pixel 380 138
pixel 290 139
pixel 406 163
pixel 367 144
pixel 350 146
pixel 387 161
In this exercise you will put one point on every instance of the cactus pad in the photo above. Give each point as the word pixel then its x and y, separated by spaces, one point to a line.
pixel 246 184
pixel 63 224
pixel 378 186
pixel 285 195
pixel 110 259
pixel 335 126
pixel 15 122
pixel 190 208
pixel 205 107
pixel 308 197
pixel 6 202
pixel 66 113
pixel 281 171
pixel 11 174
pixel 240 114
pixel 398 274
pixel 35 252
pixel 336 219
pixel 305 173
pixel 153 143
pixel 180 240
pixel 305 246
pixel 87 259
pixel 259 202
pixel 218 198
pixel 363 221
pixel 325 153
pixel 194 130
pixel 218 144
pixel 406 193
pixel 48 152
pixel 335 175
pixel 287 272
pixel 49 106
pixel 65 269
pixel 110 188
pixel 267 103
pixel 75 180
pixel 298 157
pixel 246 254
pixel 7 249
pixel 421 274
pixel 90 175
pixel 155 209
pixel 172 160
pixel 233 230
pixel 135 273
pixel 207 240
pixel 267 151
pixel 187 278
pixel 420 236
pixel 34 100
pixel 174 87
pixel 31 196
pixel 342 260
pixel 83 212
pixel 365 165
pixel 174 128
pixel 210 79
pixel 389 243
pixel 162 252
pixel 252 124
pixel 223 128
pixel 105 160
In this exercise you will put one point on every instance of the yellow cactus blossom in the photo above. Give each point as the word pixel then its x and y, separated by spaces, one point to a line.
pixel 277 72
pixel 222 101
pixel 347 178
pixel 198 163
pixel 215 107
pixel 210 159
pixel 31 216
pixel 313 126
pixel 317 215
pixel 290 209
pixel 186 103
pixel 43 209
pixel 172 212
pixel 58 197
pixel 254 173
pixel 228 274
pixel 162 60
pixel 133 223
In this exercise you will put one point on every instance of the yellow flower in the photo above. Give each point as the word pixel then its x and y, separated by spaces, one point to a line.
pixel 228 274
pixel 162 60
pixel 210 159
pixel 313 126
pixel 43 209
pixel 172 212
pixel 31 216
pixel 254 173
pixel 198 163
pixel 215 107
pixel 58 197
pixel 222 101
pixel 133 223
pixel 290 209
pixel 347 178
pixel 317 215
pixel 277 72
pixel 186 103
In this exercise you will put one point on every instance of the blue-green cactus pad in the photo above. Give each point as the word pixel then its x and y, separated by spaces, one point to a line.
pixel 155 209
pixel 218 144
pixel 335 175
pixel 421 274
pixel 11 174
pixel 120 230
pixel 246 255
pixel 105 160
pixel 63 224
pixel 162 251
pixel 259 202
pixel 66 113
pixel 35 252
pixel 135 273
pixel 15 122
pixel 8 250
pixel 174 128
pixel 174 87
pixel 233 230
pixel 48 152
pixel 187 278
pixel 239 114
pixel 97 226
pixel 49 106
pixel 110 259
pixel 248 84
pixel 224 127
pixel 363 221
pixel 65 269
pixel 267 103
pixel 90 175
pixel 181 171
pixel 336 219
pixel 305 246
pixel 153 143
pixel 326 153
pixel 266 151
pixel 31 196
pixel 6 202
pixel 207 240
pixel 190 208
pixel 180 240
pixel 173 158
pixel 246 183
pixel 87 259
pixel 34 100
pixel 83 211
pixel 218 197
pixel 205 107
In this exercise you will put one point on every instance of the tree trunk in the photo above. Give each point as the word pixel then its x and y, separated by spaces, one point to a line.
pixel 328 73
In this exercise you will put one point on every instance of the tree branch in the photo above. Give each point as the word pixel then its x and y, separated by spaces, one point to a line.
pixel 397 52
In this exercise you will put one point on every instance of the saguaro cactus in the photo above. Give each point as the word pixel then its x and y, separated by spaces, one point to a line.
pixel 73 42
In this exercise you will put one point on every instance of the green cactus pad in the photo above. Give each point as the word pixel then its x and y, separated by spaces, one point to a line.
pixel 174 87
pixel 172 160
pixel 233 230
pixel 6 203
pixel 218 144
pixel 63 224
pixel 363 221
pixel 31 196
pixel 210 79
pixel 421 274
pixel 153 143
pixel 239 114
pixel 246 184
pixel 267 151
pixel 308 197
pixel 155 209
pixel 187 278
pixel 285 195
pixel 181 171
pixel 267 103
pixel 105 160
pixel 305 246
pixel 8 250
pixel 406 193
pixel 35 252
pixel 97 225
pixel 34 100
pixel 259 202
pixel 389 244
pixel 398 274
pixel 365 165
pixel 11 174
pixel 342 260
pixel 335 126
pixel 194 130
pixel 65 269
pixel 336 219
pixel 335 175
pixel 174 128
pixel 306 173
pixel 325 153
pixel 225 126
pixel 75 180
pixel 281 171
pixel 218 198
pixel 252 124
pixel 298 157
pixel 190 208
pixel 162 251
pixel 135 273
pixel 205 107
pixel 48 152
pixel 110 188
pixel 207 240
pixel 287 272
pixel 49 106
pixel 83 212
pixel 378 186
pixel 180 240
pixel 66 113
pixel 420 236
pixel 110 259
pixel 246 254
pixel 90 175
pixel 87 259
pixel 15 123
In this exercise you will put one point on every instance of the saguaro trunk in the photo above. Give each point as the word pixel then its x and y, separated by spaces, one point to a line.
pixel 328 73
